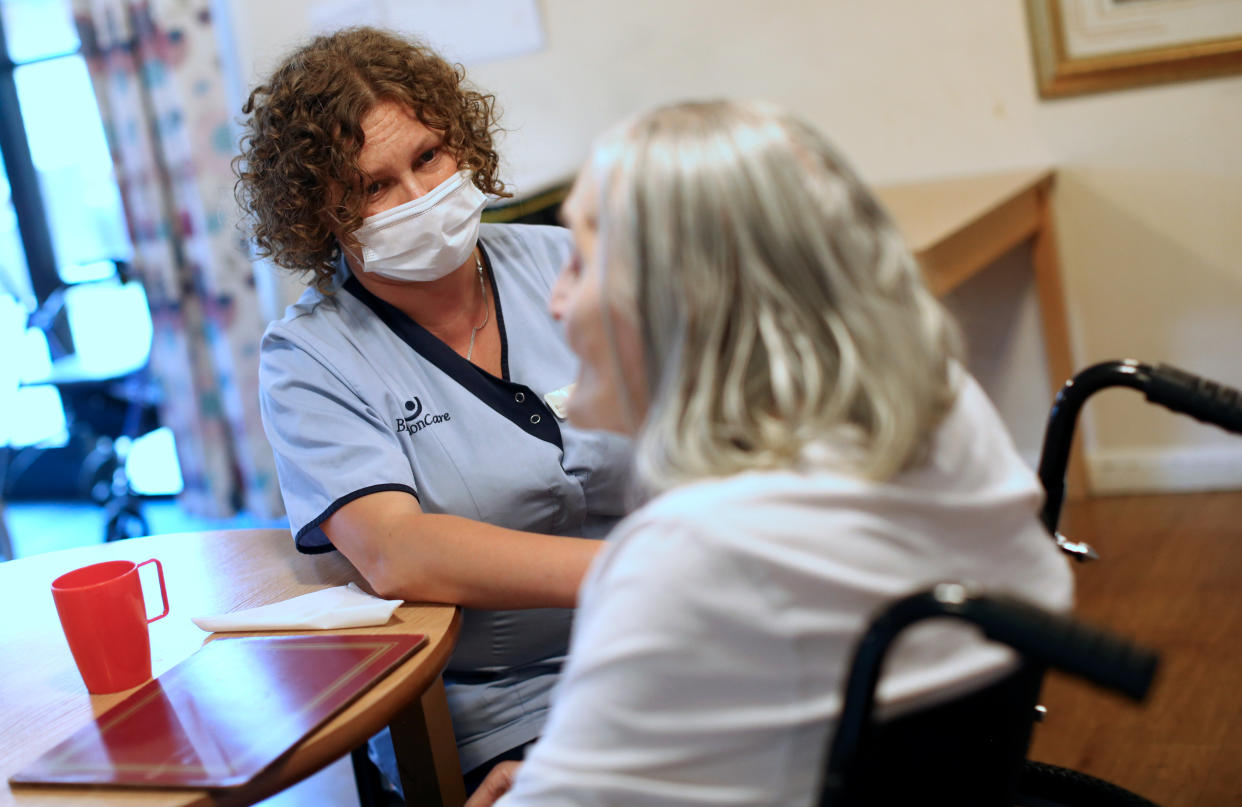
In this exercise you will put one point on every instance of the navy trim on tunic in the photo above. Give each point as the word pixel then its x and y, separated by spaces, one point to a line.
pixel 316 549
pixel 514 402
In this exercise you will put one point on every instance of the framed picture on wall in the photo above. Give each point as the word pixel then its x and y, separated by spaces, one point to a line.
pixel 1083 46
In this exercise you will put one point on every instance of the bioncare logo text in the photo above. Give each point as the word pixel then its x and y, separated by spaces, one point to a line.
pixel 416 421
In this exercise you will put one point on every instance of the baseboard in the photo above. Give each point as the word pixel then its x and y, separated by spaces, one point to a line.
pixel 1165 470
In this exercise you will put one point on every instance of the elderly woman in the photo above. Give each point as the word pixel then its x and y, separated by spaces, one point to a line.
pixel 413 395
pixel 812 447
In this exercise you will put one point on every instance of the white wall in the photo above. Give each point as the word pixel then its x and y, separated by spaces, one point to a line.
pixel 1148 204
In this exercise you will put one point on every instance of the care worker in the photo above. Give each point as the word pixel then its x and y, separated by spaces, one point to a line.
pixel 414 394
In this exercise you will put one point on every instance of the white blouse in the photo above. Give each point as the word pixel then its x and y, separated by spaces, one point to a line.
pixel 710 645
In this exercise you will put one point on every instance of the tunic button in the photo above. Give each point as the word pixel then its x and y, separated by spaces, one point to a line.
pixel 520 397
pixel 535 419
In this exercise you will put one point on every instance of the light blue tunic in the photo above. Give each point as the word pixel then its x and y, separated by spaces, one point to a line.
pixel 357 398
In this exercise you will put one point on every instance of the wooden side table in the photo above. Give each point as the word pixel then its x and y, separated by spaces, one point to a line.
pixel 957 227
pixel 43 700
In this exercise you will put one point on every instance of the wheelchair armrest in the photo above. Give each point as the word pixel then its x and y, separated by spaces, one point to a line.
pixel 1057 641
pixel 1044 639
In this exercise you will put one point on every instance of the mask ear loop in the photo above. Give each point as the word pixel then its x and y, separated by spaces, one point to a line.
pixel 349 253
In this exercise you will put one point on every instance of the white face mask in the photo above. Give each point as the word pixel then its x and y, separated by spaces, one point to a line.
pixel 425 238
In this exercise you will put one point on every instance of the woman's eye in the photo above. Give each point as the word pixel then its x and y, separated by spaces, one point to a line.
pixel 374 188
pixel 427 156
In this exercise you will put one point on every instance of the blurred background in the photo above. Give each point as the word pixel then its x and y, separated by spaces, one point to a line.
pixel 131 309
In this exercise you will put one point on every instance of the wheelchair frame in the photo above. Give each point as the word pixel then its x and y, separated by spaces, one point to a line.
pixel 1045 640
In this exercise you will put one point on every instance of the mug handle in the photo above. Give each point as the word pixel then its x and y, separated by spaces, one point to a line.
pixel 159 567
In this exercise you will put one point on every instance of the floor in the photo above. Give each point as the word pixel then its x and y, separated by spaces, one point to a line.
pixel 1170 576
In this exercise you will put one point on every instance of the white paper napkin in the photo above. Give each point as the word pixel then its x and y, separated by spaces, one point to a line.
pixel 338 607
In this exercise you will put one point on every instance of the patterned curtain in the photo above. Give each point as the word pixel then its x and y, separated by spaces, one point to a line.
pixel 156 69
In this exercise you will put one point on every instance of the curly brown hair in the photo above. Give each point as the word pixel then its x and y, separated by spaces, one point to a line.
pixel 298 179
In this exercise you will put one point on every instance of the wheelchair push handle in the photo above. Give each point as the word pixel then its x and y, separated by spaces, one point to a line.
pixel 1072 646
pixel 1204 400
pixel 1174 389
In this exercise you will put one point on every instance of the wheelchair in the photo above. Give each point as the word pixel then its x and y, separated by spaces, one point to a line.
pixel 972 749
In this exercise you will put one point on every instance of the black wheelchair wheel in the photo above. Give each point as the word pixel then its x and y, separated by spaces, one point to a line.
pixel 1043 785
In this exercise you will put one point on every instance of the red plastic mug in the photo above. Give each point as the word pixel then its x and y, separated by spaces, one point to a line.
pixel 105 620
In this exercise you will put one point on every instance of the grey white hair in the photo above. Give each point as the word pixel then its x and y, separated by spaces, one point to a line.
pixel 778 307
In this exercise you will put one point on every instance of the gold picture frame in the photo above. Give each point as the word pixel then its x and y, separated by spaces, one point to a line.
pixel 1083 46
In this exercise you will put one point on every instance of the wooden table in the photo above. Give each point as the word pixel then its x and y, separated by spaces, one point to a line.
pixel 43 700
pixel 957 227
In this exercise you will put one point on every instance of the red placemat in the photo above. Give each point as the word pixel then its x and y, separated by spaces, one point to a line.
pixel 225 713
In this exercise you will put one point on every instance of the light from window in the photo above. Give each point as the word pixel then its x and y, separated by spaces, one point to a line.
pixel 36 29
pixel 14 276
pixel 75 168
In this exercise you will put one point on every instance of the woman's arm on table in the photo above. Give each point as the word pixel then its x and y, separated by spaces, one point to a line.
pixel 427 557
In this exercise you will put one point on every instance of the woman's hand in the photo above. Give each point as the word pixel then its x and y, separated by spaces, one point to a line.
pixel 499 781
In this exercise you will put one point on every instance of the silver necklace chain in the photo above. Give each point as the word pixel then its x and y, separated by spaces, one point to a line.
pixel 487 311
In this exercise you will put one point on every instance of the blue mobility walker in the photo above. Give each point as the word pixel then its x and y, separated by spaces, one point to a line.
pixel 972 750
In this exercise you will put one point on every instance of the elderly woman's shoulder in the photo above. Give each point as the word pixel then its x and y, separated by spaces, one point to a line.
pixel 744 504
